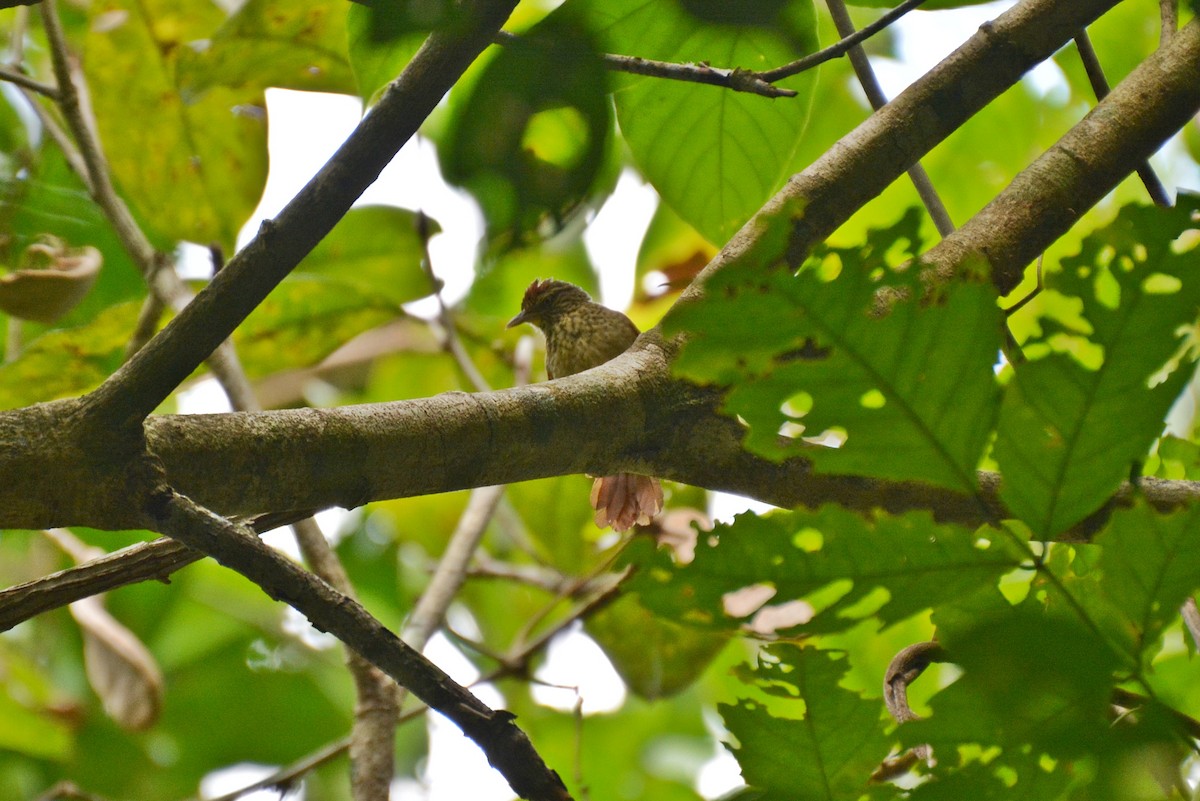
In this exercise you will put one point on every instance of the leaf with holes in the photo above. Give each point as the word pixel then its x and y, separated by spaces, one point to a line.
pixel 828 745
pixel 1150 563
pixel 1092 397
pixel 831 569
pixel 850 361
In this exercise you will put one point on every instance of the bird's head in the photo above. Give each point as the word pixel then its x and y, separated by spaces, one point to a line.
pixel 546 300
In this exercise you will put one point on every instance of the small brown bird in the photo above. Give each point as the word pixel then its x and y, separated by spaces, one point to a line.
pixel 581 335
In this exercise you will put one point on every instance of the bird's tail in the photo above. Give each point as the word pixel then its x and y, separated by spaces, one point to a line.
pixel 625 499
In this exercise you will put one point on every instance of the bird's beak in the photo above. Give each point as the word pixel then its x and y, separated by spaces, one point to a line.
pixel 514 322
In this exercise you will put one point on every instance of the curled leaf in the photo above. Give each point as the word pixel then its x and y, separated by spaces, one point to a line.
pixel 51 280
pixel 119 667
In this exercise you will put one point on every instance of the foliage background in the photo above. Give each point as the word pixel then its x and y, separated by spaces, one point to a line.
pixel 1040 633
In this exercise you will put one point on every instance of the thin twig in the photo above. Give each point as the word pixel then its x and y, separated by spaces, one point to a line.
pixel 89 161
pixel 72 103
pixel 516 662
pixel 841 47
pixel 14 338
pixel 449 330
pixel 1168 14
pixel 737 79
pixel 1191 619
pixel 540 576
pixel 1096 77
pixel 68 791
pixel 866 78
pixel 377 704
pixel 23 80
pixel 16 37
pixel 451 571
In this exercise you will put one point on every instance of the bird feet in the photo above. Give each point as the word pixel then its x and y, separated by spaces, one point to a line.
pixel 625 499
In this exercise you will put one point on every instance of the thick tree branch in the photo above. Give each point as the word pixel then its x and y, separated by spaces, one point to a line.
pixel 868 159
pixel 305 459
pixel 1046 199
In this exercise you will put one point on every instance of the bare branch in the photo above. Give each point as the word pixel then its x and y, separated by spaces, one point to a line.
pixel 866 78
pixel 291 773
pixel 868 159
pixel 506 746
pixel 739 80
pixel 736 78
pixel 1095 73
pixel 157 369
pixel 841 47
pixel 24 81
pixel 1047 198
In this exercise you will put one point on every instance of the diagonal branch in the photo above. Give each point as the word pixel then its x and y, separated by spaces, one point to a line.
pixel 868 159
pixel 875 96
pixel 506 746
pixel 1047 198
pixel 156 370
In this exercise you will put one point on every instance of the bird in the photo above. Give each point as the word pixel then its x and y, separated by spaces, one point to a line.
pixel 582 334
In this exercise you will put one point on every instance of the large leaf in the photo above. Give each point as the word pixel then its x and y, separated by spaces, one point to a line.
pixel 828 746
pixel 384 35
pixel 1150 564
pixel 714 155
pixel 291 44
pixel 1074 421
pixel 850 352
pixel 68 362
pixel 377 249
pixel 193 167
pixel 832 559
pixel 356 278
pixel 1036 691
pixel 545 142
pixel 1028 679
pixel 664 659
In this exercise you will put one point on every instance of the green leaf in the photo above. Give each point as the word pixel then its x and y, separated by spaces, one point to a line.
pixel 665 658
pixel 713 154
pixel 845 567
pixel 355 279
pixel 304 320
pixel 376 249
pixel 36 735
pixel 290 44
pixel 1016 774
pixel 1150 564
pixel 903 388
pixel 829 745
pixel 25 725
pixel 68 362
pixel 1029 679
pixel 1088 405
pixel 384 35
pixel 544 146
pixel 192 167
